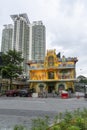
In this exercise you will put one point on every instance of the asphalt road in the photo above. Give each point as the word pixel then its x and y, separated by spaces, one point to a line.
pixel 16 110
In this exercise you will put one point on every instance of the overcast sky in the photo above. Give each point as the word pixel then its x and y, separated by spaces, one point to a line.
pixel 65 22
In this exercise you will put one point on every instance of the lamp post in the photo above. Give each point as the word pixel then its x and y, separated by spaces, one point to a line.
pixel 85 91
pixel 0 82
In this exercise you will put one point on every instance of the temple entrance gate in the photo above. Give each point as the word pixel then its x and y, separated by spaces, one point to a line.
pixel 51 87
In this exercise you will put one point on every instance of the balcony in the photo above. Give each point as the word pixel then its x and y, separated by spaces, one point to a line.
pixel 53 80
pixel 63 76
pixel 61 66
pixel 36 67
pixel 66 77
pixel 66 66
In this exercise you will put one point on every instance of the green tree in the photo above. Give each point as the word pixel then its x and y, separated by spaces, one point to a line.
pixel 11 67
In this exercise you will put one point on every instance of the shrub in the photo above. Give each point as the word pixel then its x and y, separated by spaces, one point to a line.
pixel 55 128
pixel 76 120
pixel 19 127
pixel 73 128
pixel 40 124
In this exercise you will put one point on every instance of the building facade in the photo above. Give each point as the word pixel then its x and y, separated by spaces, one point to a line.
pixel 55 73
pixel 7 34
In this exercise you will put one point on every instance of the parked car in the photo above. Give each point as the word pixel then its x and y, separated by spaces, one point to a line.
pixel 12 93
pixel 24 93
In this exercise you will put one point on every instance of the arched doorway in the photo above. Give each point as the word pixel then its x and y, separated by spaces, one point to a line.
pixel 41 86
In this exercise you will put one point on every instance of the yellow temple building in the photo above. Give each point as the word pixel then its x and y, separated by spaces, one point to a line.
pixel 55 73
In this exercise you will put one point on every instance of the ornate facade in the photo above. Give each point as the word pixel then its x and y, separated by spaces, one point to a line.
pixel 55 73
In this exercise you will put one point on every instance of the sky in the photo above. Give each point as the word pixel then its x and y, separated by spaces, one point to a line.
pixel 65 22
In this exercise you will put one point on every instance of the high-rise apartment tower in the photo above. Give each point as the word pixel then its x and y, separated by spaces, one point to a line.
pixel 21 36
pixel 37 41
pixel 7 34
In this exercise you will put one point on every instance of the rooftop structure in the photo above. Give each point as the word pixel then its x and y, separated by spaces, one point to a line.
pixel 24 15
